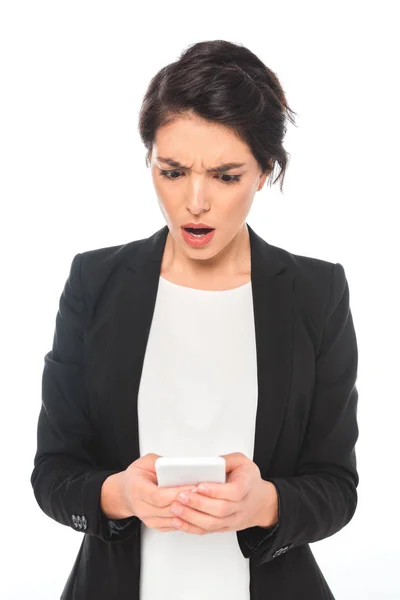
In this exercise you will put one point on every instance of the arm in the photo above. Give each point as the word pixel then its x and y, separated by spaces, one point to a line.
pixel 66 480
pixel 322 497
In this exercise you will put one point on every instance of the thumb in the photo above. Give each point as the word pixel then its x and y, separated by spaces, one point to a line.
pixel 147 461
pixel 234 460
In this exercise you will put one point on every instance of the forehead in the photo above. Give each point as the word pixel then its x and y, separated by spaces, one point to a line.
pixel 190 139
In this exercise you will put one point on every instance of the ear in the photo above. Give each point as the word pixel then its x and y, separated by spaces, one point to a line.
pixel 263 179
pixel 148 157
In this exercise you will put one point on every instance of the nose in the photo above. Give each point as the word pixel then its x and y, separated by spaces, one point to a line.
pixel 197 199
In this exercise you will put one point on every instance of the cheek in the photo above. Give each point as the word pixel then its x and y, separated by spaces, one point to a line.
pixel 168 199
pixel 240 201
pixel 169 202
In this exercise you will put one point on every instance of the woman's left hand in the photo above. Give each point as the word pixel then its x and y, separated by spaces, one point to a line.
pixel 245 500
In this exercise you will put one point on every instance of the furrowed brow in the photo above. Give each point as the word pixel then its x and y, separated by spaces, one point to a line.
pixel 221 168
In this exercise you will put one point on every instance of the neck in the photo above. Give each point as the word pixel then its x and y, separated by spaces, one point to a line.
pixel 232 261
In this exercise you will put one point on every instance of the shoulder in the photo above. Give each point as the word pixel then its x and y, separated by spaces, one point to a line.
pixel 107 258
pixel 323 277
pixel 310 273
pixel 319 288
pixel 99 266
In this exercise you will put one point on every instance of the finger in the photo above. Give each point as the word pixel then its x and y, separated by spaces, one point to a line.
pixel 234 460
pixel 223 491
pixel 210 506
pixel 199 519
pixel 169 494
pixel 181 525
pixel 161 497
pixel 186 527
pixel 166 524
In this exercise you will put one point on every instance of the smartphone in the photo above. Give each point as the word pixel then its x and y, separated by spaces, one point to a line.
pixel 174 471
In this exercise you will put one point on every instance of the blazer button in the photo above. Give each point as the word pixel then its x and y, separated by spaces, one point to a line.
pixel 282 550
pixel 79 521
pixel 74 521
pixel 84 522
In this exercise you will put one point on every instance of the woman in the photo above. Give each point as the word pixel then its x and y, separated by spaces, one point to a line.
pixel 220 343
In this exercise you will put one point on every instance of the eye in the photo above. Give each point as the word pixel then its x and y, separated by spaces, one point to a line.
pixel 233 178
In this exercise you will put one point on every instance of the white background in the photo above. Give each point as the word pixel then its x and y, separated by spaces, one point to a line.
pixel 73 178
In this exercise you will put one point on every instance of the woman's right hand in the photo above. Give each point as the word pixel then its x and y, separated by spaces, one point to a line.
pixel 142 496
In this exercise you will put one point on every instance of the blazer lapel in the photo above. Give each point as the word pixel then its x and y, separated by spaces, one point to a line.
pixel 272 287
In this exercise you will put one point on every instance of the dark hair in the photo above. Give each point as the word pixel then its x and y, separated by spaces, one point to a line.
pixel 223 83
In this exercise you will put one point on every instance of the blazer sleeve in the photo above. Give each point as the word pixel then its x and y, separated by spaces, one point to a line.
pixel 66 480
pixel 322 496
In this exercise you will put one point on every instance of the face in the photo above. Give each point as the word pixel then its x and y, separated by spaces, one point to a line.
pixel 192 193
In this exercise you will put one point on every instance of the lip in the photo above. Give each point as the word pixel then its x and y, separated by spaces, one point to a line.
pixel 191 240
pixel 197 226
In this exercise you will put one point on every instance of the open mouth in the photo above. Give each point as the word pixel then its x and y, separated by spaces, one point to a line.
pixel 197 231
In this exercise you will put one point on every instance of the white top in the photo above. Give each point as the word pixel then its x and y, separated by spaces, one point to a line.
pixel 197 397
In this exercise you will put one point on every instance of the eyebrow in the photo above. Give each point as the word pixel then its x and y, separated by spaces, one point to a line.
pixel 219 169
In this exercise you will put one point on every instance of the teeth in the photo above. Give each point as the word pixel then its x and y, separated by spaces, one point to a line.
pixel 198 234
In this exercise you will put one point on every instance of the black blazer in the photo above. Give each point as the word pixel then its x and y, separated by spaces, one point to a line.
pixel 306 426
